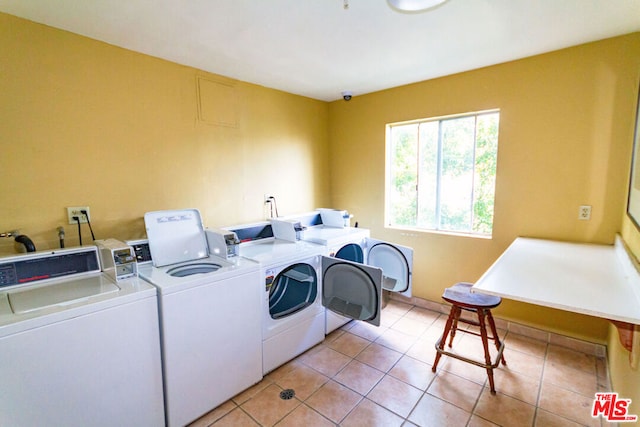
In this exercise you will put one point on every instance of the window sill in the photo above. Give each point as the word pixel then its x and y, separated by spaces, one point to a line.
pixel 439 232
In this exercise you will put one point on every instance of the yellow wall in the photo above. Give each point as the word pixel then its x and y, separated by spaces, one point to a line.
pixel 625 379
pixel 563 142
pixel 86 123
pixel 566 132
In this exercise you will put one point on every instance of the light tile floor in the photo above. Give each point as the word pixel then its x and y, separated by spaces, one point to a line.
pixel 366 376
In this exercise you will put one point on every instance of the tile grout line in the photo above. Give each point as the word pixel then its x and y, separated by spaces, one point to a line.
pixel 430 322
pixel 539 395
pixel 387 373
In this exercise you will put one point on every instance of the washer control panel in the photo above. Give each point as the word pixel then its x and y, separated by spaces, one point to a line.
pixel 30 268
pixel 141 250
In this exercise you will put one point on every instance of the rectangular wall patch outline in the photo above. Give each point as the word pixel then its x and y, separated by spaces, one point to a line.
pixel 217 103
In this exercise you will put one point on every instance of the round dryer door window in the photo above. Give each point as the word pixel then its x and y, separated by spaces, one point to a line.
pixel 294 289
pixel 351 252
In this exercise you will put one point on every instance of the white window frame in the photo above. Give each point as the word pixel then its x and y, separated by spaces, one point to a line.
pixel 388 159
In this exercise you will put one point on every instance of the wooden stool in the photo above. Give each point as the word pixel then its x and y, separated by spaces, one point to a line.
pixel 461 298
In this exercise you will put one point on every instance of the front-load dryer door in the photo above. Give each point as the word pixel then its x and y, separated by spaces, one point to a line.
pixel 396 263
pixel 352 290
pixel 292 290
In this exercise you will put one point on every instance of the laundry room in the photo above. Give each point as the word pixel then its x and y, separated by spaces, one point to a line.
pixel 86 123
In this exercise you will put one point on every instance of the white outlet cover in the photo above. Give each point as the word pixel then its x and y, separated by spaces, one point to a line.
pixel 584 213
pixel 75 211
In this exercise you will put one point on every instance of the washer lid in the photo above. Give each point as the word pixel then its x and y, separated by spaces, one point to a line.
pixel 64 293
pixel 175 236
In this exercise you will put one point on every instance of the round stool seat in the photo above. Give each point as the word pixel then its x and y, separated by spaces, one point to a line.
pixel 460 294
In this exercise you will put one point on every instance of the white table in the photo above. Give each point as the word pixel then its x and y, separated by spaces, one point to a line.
pixel 598 280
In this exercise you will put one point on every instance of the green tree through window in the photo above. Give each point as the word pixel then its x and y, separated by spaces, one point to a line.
pixel 441 173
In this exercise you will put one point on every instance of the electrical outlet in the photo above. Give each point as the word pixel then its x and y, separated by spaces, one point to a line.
pixel 77 211
pixel 584 213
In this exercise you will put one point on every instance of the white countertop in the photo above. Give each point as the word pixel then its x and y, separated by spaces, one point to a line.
pixel 598 280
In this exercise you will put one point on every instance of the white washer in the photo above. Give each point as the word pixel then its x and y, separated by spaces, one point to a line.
pixel 293 319
pixel 209 316
pixel 77 348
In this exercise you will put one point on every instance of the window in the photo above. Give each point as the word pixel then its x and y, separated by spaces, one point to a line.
pixel 441 173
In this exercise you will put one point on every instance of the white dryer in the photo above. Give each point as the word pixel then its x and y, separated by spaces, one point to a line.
pixel 355 290
pixel 293 319
pixel 209 314
pixel 350 290
pixel 77 348
pixel 341 242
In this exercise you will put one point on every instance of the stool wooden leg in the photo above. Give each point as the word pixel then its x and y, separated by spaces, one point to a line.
pixel 485 344
pixel 454 325
pixel 494 331
pixel 443 339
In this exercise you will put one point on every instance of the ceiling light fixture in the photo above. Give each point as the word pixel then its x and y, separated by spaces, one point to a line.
pixel 414 5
